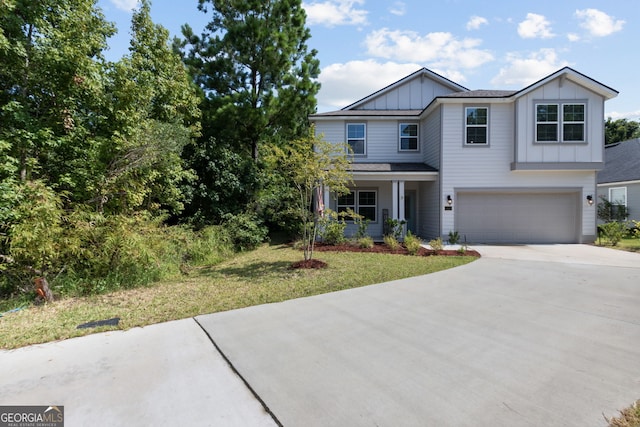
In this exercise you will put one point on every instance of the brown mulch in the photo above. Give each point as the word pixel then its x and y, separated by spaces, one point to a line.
pixel 384 249
pixel 379 248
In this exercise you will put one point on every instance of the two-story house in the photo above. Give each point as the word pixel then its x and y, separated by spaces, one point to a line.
pixel 496 166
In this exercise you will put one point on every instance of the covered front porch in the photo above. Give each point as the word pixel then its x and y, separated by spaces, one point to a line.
pixel 405 192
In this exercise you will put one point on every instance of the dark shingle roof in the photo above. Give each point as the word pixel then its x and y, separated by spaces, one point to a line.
pixel 482 94
pixel 621 162
pixel 391 167
pixel 376 113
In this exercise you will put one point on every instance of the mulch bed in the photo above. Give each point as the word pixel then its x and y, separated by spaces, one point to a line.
pixel 379 248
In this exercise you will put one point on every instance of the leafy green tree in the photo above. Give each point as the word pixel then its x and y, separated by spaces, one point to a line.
pixel 50 75
pixel 620 130
pixel 152 114
pixel 310 164
pixel 259 82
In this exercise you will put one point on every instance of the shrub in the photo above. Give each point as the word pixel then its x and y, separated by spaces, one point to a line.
pixel 613 232
pixel 454 237
pixel 412 243
pixel 332 229
pixel 391 242
pixel 394 227
pixel 246 232
pixel 365 242
pixel 436 244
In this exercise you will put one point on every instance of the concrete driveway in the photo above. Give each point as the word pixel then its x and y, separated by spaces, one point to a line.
pixel 525 336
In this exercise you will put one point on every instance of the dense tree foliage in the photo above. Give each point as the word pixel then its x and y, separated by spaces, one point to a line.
pixel 259 80
pixel 86 145
pixel 620 130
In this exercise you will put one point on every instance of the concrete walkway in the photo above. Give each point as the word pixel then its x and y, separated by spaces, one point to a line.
pixel 525 336
pixel 509 340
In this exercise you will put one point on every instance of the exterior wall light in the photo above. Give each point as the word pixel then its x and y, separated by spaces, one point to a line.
pixel 590 199
pixel 449 200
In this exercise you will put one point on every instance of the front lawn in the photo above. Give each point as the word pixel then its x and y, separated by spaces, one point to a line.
pixel 626 244
pixel 257 277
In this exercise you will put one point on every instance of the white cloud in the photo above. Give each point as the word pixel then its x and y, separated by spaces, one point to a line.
pixel 126 5
pixel 399 8
pixel 631 115
pixel 535 26
pixel 476 22
pixel 335 12
pixel 573 37
pixel 523 71
pixel 439 50
pixel 598 23
pixel 344 84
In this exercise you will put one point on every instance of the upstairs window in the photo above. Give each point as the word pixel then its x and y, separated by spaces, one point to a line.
pixel 476 125
pixel 357 138
pixel 408 137
pixel 560 122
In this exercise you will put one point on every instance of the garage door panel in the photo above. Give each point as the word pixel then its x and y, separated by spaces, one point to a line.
pixel 518 217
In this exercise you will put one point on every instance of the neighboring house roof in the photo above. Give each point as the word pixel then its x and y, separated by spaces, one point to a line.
pixel 391 167
pixel 621 162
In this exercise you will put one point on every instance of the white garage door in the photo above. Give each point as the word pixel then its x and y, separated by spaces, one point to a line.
pixel 518 217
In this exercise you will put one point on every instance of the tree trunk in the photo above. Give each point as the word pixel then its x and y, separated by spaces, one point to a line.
pixel 42 289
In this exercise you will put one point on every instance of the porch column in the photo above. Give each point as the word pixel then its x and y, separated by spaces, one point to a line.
pixel 327 198
pixel 401 212
pixel 394 200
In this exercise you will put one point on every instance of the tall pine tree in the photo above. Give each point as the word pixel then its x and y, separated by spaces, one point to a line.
pixel 259 79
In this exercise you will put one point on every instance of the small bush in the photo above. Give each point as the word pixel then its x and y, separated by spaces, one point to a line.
pixel 245 231
pixel 332 229
pixel 365 242
pixel 392 242
pixel 454 237
pixel 436 244
pixel 613 232
pixel 412 243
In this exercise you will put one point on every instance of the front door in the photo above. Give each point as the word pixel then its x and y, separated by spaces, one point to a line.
pixel 410 211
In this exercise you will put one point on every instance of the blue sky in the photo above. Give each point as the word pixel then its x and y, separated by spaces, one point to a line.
pixel 364 45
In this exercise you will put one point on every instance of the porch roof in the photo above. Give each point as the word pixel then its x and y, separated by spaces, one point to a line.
pixel 394 171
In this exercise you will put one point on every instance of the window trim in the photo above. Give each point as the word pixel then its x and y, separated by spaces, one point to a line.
pixel 467 126
pixel 400 137
pixel 356 200
pixel 625 196
pixel 364 139
pixel 560 139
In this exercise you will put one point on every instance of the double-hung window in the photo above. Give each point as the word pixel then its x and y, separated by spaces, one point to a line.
pixel 560 122
pixel 618 196
pixel 408 137
pixel 357 138
pixel 476 125
pixel 363 202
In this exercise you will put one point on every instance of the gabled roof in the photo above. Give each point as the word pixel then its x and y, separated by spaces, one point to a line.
pixel 576 77
pixel 423 72
pixel 621 162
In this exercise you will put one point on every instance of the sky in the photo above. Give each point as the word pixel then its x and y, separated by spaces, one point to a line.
pixel 365 45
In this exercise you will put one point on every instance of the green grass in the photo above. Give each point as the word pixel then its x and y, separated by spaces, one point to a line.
pixel 257 277
pixel 630 244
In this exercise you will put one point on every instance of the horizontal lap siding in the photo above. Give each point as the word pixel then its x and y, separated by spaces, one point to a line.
pixel 489 167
